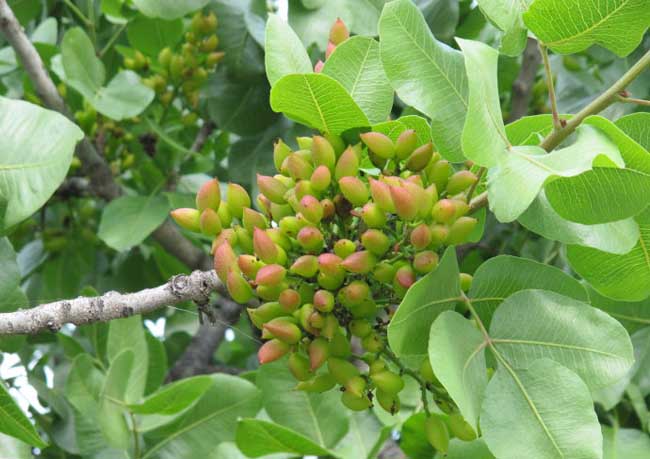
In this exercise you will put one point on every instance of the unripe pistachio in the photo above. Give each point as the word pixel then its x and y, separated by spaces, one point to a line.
pixel 310 239
pixel 391 180
pixel 237 199
pixel 265 249
pixel 359 262
pixel 323 152
pixel 460 427
pixel 165 57
pixel 272 350
pixel 339 32
pixel 387 401
pixel 331 326
pixel 387 381
pixel 354 403
pixel 405 144
pixel 342 370
pixel 209 44
pixel 298 167
pixel 419 159
pixel 427 372
pixel 354 293
pixel 303 314
pixel 238 287
pixel 311 208
pixel 375 241
pixel 270 275
pixel 210 223
pixel 283 329
pixel 330 281
pixel 380 192
pixel 384 272
pixel 465 282
pixel 438 173
pixel 330 49
pixel 406 206
pixel 360 328
pixel 429 198
pixel 320 383
pixel 264 204
pixel 208 196
pixel 354 190
pixel 373 216
pixel 319 351
pixel 420 236
pixel 316 320
pixel 405 276
pixel 318 66
pixel 305 266
pixel 380 144
pixel 279 211
pixel 324 300
pixel 340 346
pixel 347 165
pixel 224 259
pixel 462 208
pixel 224 215
pixel 279 238
pixel 249 265
pixel 356 386
pixel 272 188
pixel 460 230
pixel 444 211
pixel 244 240
pixel 439 234
pixel 214 58
pixel 304 188
pixel 280 152
pixel 437 434
pixel 189 219
pixel 289 299
pixel 304 142
pixel 425 262
pixel 376 366
pixel 373 342
pixel 321 178
pixel 299 366
pixel 344 247
pixel 290 225
pixel 265 312
pixel 253 219
pixel 364 310
pixel 377 161
pixel 460 181
pixel 227 235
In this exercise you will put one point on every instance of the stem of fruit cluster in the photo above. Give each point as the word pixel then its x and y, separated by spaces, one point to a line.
pixel 77 12
pixel 112 40
pixel 407 371
pixel 557 124
pixel 479 176
pixel 599 104
pixel 632 100
pixel 478 202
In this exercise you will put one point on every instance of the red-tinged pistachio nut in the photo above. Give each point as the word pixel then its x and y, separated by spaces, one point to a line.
pixel 186 218
pixel 264 247
pixel 249 265
pixel 298 167
pixel 438 173
pixel 460 428
pixel 323 300
pixel 329 263
pixel 437 434
pixel 415 179
pixel 373 342
pixel 425 262
pixel 318 384
pixel 311 208
pixel 329 50
pixel 272 188
pixel 391 180
pixel 387 401
pixel 244 240
pixel 330 281
pixel 460 230
pixel 253 219
pixel 406 206
pixel 299 366
pixel 224 215
pixel 439 234
pixel 271 292
pixel 322 152
pixel 310 239
pixel 347 165
pixel 305 266
pixel 420 157
pixel 354 293
pixel 210 223
pixel 339 32
pixel 208 196
pixel 238 287
pixel 270 275
pixel 421 236
pixel 354 403
pixel 465 282
pixel 405 144
pixel 354 190
pixel 380 144
pixel 318 353
pixel 318 67
pixel 462 208
pixel 340 345
pixel 373 216
pixel 384 272
pixel 330 327
pixel 380 192
pixel 359 262
pixel 375 241
pixel 444 211
pixel 289 299
pixel 356 386
pixel 342 370
pixel 316 320
pixel 405 276
pixel 224 259
pixel 227 235
pixel 272 350
pixel 321 178
pixel 328 208
pixel 460 182
pixel 284 330
pixel 344 247
pixel 263 204
pixel 360 327
pixel 388 381
pixel 304 188
pixel 237 199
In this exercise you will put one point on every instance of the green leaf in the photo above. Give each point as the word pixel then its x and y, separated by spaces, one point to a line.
pixel 283 51
pixel 458 449
pixel 413 440
pixel 365 437
pixel 625 443
pixel 520 174
pixel 484 136
pixel 317 101
pixel 110 415
pixel 356 64
pixel 128 220
pixel 257 438
pixel 572 26
pixel 157 365
pixel 620 277
pixel 313 24
pixel 320 417
pixel 12 297
pixel 175 397
pixel 633 150
pixel 13 421
pixel 458 361
pixel 548 410
pixel 529 130
pixel 499 277
pixel 168 9
pixel 635 126
pixel 13 448
pixel 35 157
pixel 128 334
pixel 210 421
pixel 633 315
pixel 438 291
pixel 425 73
pixel 81 66
pixel 507 16
pixel 151 35
pixel 534 323
pixel 601 195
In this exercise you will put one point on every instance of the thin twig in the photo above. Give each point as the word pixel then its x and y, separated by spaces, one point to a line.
pixel 112 40
pixel 479 176
pixel 557 123
pixel 632 100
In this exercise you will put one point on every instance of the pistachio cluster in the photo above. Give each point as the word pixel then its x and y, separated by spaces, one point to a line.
pixel 333 249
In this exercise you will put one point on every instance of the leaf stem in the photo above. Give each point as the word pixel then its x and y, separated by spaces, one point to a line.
pixel 478 202
pixel 632 100
pixel 82 17
pixel 479 176
pixel 599 104
pixel 557 124
pixel 112 40
pixel 136 438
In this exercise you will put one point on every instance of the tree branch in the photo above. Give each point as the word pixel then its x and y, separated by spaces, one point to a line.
pixel 112 305
pixel 522 89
